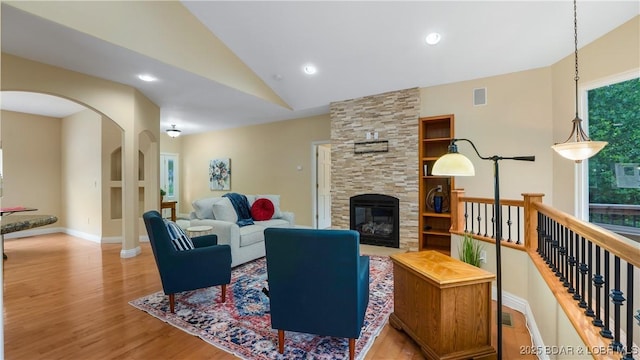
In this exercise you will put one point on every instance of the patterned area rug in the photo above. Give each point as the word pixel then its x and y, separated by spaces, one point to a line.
pixel 242 325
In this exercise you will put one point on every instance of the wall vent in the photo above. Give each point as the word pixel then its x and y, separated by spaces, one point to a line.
pixel 479 96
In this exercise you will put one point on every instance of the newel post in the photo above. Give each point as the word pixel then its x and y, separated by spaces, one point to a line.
pixel 531 221
pixel 457 210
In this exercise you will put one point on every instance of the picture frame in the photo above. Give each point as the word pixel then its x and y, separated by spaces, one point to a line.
pixel 220 174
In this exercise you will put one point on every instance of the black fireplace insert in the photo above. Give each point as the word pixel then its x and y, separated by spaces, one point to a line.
pixel 376 217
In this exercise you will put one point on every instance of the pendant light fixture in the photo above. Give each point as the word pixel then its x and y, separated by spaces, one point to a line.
pixel 173 132
pixel 578 146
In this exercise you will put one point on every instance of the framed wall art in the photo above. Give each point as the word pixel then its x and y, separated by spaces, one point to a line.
pixel 220 174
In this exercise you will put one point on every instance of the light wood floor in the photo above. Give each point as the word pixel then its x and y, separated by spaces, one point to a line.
pixel 66 298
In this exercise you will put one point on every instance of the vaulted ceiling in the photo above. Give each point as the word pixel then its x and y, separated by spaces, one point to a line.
pixel 222 64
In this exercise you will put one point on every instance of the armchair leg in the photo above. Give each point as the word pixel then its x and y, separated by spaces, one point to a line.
pixel 281 341
pixel 172 303
pixel 352 348
pixel 224 292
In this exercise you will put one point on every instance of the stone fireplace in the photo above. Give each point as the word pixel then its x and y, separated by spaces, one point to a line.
pixel 394 172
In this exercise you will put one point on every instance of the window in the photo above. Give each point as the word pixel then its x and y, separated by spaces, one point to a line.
pixel 614 173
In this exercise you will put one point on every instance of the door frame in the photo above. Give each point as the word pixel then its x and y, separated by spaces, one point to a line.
pixel 314 175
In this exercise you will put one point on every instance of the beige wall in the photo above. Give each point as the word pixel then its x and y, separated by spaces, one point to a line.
pixel 169 144
pixel 515 121
pixel 81 173
pixel 111 142
pixel 124 105
pixel 264 160
pixel 32 163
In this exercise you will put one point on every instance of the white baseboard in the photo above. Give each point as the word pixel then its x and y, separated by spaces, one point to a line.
pixel 83 235
pixel 521 305
pixel 79 234
pixel 130 252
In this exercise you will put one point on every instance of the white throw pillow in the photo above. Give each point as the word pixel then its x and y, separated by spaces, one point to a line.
pixel 202 207
pixel 275 199
pixel 179 239
pixel 223 210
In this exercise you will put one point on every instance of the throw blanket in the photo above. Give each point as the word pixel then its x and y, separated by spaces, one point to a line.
pixel 241 206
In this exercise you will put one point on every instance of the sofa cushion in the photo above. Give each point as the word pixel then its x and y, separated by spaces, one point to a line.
pixel 251 234
pixel 178 237
pixel 203 207
pixel 275 199
pixel 262 209
pixel 223 210
pixel 274 223
pixel 251 199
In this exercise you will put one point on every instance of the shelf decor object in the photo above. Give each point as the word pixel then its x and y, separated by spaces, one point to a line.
pixel 373 146
pixel 578 146
pixel 456 164
pixel 434 196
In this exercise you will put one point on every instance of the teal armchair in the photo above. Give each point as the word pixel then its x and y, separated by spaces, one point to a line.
pixel 318 282
pixel 208 264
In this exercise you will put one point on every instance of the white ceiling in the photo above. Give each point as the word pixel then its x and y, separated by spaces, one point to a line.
pixel 360 48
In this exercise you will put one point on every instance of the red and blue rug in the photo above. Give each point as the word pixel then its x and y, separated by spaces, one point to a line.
pixel 242 325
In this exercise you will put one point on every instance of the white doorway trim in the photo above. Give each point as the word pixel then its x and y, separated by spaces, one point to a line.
pixel 314 175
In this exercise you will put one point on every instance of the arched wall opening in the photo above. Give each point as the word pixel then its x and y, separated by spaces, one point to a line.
pixel 138 123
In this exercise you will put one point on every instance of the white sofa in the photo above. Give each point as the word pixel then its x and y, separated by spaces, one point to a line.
pixel 247 242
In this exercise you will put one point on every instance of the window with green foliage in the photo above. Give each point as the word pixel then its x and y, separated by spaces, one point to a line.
pixel 614 173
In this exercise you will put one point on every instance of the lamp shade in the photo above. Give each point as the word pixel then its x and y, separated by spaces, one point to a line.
pixel 453 164
pixel 579 151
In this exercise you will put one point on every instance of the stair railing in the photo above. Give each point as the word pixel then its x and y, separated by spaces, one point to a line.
pixel 592 271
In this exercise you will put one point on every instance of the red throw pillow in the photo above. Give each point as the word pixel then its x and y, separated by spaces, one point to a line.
pixel 262 209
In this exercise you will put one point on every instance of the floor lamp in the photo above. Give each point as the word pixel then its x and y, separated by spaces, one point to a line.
pixel 456 164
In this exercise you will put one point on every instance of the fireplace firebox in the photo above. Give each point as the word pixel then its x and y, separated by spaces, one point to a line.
pixel 376 218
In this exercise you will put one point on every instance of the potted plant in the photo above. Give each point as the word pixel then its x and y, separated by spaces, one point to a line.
pixel 469 250
pixel 162 194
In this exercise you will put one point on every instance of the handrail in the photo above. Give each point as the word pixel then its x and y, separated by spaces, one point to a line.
pixel 569 252
pixel 604 238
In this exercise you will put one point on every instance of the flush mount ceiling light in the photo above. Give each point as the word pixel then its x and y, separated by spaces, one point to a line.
pixel 309 69
pixel 147 77
pixel 578 146
pixel 173 132
pixel 433 38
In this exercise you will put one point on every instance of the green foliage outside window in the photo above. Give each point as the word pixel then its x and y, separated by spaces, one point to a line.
pixel 614 116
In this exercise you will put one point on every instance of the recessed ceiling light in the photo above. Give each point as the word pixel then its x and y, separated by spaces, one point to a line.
pixel 147 77
pixel 433 38
pixel 309 69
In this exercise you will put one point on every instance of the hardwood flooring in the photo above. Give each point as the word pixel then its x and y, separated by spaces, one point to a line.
pixel 67 298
